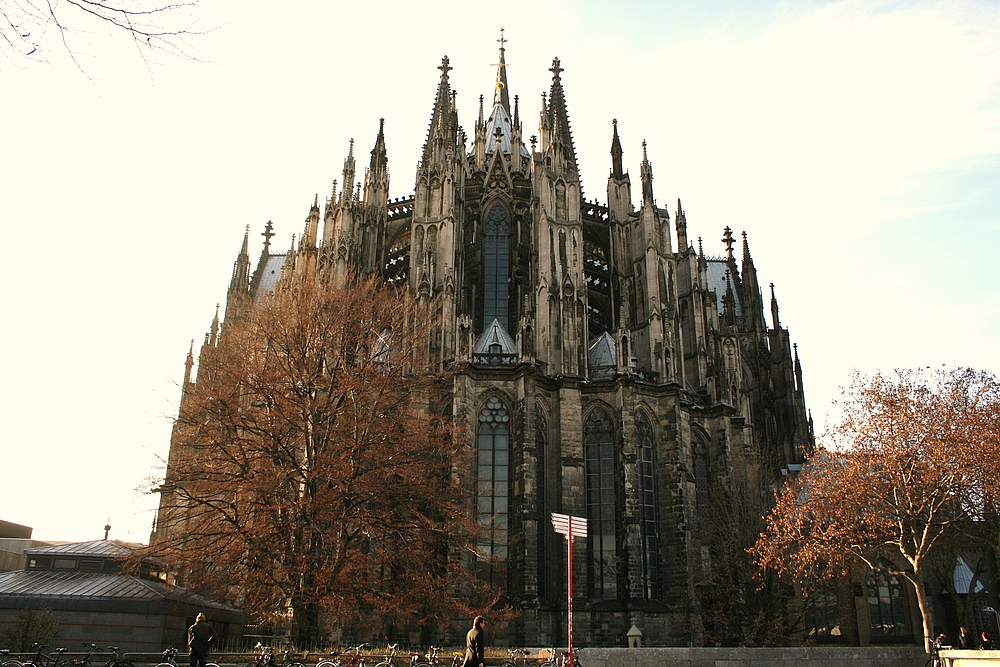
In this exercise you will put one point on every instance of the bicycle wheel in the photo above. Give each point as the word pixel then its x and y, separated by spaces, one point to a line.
pixel 12 663
pixel 328 663
pixel 164 664
pixel 211 664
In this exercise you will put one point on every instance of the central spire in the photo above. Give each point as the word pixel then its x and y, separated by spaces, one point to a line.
pixel 501 96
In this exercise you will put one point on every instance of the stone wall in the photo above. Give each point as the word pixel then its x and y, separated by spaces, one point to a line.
pixel 813 656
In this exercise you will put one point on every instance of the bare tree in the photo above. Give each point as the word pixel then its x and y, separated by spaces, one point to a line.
pixel 33 29
pixel 918 472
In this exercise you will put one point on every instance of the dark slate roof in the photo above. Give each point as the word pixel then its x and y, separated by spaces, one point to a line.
pixel 94 549
pixel 269 277
pixel 602 351
pixel 717 282
pixel 91 585
pixel 495 334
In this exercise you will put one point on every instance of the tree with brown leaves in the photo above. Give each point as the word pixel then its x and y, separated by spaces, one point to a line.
pixel 315 473
pixel 914 468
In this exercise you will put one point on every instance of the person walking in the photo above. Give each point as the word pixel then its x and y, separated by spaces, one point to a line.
pixel 475 644
pixel 200 638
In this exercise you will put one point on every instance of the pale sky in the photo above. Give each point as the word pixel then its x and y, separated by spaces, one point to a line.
pixel 857 144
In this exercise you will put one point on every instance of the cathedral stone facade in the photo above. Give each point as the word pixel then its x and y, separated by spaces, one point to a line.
pixel 604 366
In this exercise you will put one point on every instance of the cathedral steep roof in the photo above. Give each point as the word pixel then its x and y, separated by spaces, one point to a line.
pixel 500 120
pixel 601 352
pixel 271 272
pixel 717 282
pixel 495 335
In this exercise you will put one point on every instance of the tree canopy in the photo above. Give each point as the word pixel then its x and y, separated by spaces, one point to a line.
pixel 315 475
pixel 913 470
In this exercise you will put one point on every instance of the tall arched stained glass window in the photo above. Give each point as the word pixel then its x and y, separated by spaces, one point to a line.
pixel 496 265
pixel 493 490
pixel 886 611
pixel 647 506
pixel 544 526
pixel 599 447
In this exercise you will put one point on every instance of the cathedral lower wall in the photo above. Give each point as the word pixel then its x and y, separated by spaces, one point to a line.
pixel 813 656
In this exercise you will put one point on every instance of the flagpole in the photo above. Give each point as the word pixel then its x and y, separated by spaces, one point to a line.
pixel 569 600
pixel 563 525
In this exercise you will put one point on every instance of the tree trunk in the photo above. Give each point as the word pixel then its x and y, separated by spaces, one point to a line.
pixel 926 610
pixel 307 626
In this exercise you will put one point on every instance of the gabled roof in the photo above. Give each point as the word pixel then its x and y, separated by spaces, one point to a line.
pixel 495 335
pixel 94 548
pixel 94 585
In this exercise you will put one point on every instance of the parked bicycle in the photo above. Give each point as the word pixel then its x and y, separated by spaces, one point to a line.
pixel 7 660
pixel 169 661
pixel 561 659
pixel 43 659
pixel 355 660
pixel 431 659
pixel 935 659
pixel 113 661
pixel 519 658
pixel 390 656
pixel 266 658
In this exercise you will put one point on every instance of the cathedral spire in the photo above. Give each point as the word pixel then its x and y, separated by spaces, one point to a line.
pixel 776 323
pixel 311 229
pixel 798 368
pixel 500 94
pixel 188 365
pixel 558 115
pixel 379 159
pixel 214 336
pixel 616 152
pixel 729 302
pixel 753 304
pixel 349 167
pixel 680 221
pixel 646 173
pixel 441 114
pixel 239 284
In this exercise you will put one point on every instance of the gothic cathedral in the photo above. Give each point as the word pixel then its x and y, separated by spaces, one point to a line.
pixel 605 367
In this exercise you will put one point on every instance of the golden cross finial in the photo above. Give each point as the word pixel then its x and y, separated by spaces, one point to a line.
pixel 502 40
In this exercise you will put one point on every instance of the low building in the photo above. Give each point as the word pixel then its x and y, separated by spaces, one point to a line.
pixel 15 539
pixel 87 588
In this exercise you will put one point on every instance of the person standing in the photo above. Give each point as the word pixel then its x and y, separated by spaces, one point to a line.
pixel 985 641
pixel 200 638
pixel 964 638
pixel 475 644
